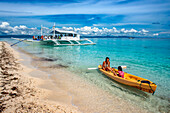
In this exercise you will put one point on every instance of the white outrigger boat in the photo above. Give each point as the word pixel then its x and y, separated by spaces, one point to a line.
pixel 59 37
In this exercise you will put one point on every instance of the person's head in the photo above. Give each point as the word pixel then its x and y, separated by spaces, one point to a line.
pixel 107 59
pixel 119 68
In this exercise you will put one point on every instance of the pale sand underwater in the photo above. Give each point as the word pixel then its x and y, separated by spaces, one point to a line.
pixel 42 87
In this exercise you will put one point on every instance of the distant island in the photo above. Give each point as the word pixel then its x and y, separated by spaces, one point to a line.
pixel 155 23
pixel 30 36
pixel 106 37
pixel 16 36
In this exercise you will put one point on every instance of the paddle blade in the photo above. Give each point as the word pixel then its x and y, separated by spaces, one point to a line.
pixel 124 67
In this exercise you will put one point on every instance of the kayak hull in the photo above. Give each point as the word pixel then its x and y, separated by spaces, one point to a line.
pixel 132 80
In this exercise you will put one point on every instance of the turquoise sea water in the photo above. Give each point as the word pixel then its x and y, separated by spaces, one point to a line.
pixel 147 58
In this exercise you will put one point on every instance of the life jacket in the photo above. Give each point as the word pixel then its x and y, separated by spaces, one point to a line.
pixel 121 73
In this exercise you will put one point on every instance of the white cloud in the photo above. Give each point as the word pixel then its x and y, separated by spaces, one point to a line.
pixel 100 25
pixel 17 30
pixel 85 33
pixel 23 33
pixel 144 31
pixel 86 30
pixel 76 29
pixel 122 24
pixel 168 32
pixel 6 31
pixel 123 30
pixel 4 24
pixel 22 27
pixel 67 28
pixel 16 27
pixel 86 7
pixel 105 31
pixel 91 18
pixel 95 29
pixel 156 34
pixel 133 31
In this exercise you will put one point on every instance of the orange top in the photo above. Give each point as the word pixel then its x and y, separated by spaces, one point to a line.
pixel 42 37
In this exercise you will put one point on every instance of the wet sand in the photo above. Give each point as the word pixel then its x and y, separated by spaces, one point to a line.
pixel 19 92
pixel 71 89
pixel 42 86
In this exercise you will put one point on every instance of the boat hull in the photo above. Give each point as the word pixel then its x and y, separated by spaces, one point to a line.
pixel 132 80
pixel 56 42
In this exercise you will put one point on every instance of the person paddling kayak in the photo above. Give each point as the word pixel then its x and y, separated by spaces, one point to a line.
pixel 106 65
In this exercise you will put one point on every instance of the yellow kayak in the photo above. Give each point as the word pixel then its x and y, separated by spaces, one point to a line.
pixel 132 80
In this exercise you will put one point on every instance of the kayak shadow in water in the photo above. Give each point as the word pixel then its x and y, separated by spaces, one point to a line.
pixel 126 88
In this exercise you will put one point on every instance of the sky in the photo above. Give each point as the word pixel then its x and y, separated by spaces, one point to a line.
pixel 46 7
pixel 140 14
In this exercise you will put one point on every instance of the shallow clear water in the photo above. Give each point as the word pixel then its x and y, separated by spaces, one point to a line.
pixel 147 58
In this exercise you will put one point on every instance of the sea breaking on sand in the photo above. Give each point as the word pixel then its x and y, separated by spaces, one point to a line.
pixel 19 92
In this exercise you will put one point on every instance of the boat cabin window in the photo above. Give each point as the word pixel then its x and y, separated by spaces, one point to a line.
pixel 70 34
pixel 60 35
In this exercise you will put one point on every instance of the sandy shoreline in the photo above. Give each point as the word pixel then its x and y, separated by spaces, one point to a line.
pixel 21 92
pixel 39 87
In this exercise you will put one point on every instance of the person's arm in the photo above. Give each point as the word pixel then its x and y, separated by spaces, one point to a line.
pixel 114 73
pixel 103 66
pixel 108 64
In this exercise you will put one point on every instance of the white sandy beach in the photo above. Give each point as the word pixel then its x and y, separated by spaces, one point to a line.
pixel 19 91
pixel 25 88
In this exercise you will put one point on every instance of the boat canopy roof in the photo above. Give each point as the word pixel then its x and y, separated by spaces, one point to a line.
pixel 63 32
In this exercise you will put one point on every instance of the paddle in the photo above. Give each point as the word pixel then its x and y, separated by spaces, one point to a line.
pixel 124 67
